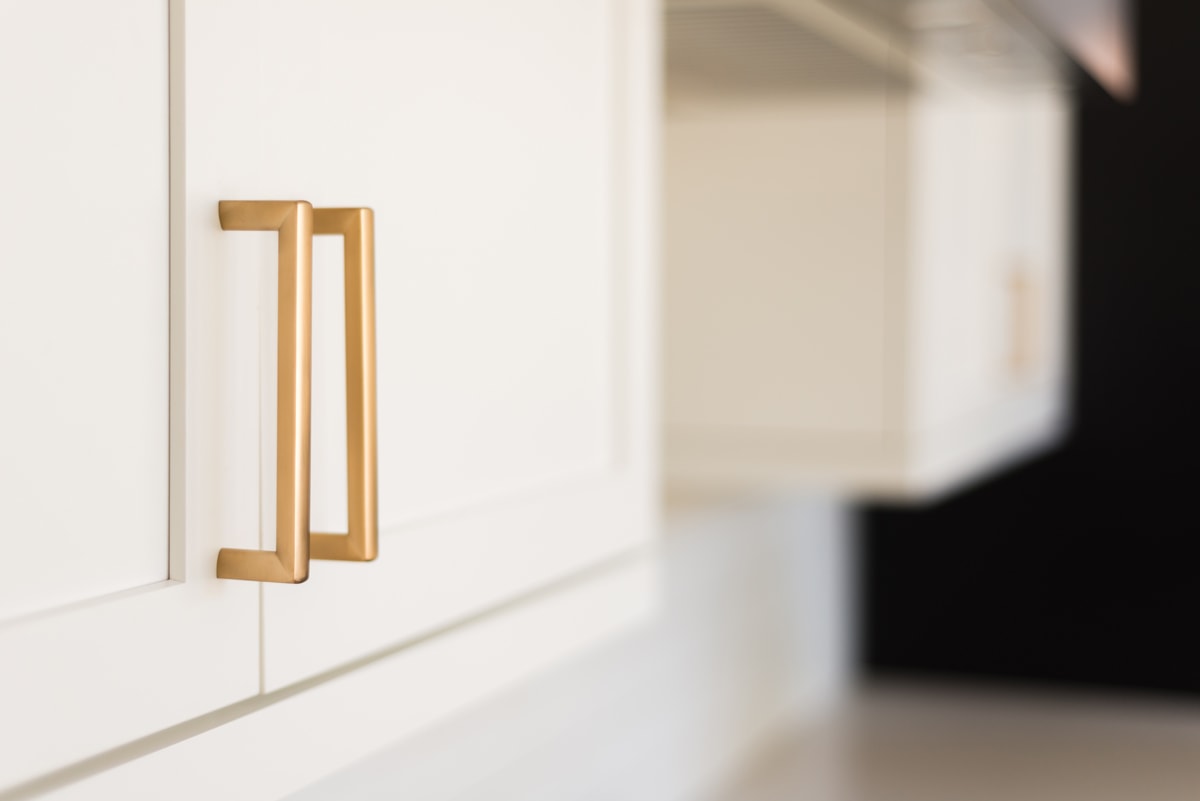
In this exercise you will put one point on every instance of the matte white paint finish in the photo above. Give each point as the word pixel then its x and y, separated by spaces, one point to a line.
pixel 83 301
pixel 508 152
pixel 751 631
pixel 507 157
pixel 287 745
pixel 135 652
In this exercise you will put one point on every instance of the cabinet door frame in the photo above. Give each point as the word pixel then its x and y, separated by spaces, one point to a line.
pixel 269 747
pixel 78 681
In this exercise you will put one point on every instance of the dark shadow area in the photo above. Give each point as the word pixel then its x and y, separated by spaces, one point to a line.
pixel 1084 566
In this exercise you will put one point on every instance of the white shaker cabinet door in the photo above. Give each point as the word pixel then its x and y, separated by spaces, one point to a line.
pixel 506 152
pixel 116 479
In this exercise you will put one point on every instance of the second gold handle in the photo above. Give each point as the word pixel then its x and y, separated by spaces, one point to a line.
pixel 361 542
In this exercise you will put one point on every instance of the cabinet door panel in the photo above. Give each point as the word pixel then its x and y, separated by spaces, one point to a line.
pixel 83 416
pixel 492 141
pixel 111 625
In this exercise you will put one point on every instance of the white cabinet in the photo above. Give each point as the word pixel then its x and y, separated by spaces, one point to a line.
pixel 865 250
pixel 502 152
pixel 122 463
pixel 507 151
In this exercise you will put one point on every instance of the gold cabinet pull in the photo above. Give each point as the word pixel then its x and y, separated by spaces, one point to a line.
pixel 288 563
pixel 361 542
pixel 1023 332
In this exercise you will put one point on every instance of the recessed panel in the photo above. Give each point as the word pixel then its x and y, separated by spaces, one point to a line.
pixel 83 300
pixel 491 179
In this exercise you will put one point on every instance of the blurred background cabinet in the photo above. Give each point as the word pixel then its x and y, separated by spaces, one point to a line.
pixel 866 220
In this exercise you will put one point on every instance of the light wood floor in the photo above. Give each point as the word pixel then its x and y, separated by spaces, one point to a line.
pixel 908 743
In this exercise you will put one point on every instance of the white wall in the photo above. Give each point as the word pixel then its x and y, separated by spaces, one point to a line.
pixel 752 632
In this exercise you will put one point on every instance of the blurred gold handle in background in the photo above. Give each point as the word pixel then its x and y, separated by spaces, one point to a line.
pixel 1023 334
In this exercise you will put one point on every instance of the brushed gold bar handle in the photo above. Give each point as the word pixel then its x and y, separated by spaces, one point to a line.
pixel 288 563
pixel 361 542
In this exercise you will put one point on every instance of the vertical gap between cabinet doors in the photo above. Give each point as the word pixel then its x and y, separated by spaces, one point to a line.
pixel 262 640
pixel 177 299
